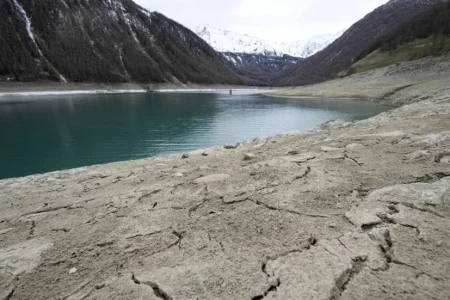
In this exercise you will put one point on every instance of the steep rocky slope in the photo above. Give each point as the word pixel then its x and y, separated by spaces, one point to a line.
pixel 102 41
pixel 344 51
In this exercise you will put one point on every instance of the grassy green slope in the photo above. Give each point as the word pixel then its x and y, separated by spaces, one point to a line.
pixel 410 51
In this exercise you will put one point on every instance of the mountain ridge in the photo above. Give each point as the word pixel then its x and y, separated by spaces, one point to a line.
pixel 227 41
pixel 342 53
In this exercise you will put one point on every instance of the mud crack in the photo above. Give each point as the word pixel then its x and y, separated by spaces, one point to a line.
pixel 46 210
pixel 148 195
pixel 304 175
pixel 344 279
pixel 430 211
pixel 143 235
pixel 273 288
pixel 431 178
pixel 32 229
pixel 353 160
pixel 157 290
pixel 197 206
pixel 268 206
pixel 275 283
pixel 10 295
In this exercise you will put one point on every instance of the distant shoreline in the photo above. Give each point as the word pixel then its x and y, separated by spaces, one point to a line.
pixel 22 89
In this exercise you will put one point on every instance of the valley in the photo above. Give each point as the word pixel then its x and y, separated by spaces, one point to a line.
pixel 330 180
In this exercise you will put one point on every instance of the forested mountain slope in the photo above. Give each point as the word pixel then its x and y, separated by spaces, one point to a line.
pixel 425 34
pixel 102 41
pixel 343 52
pixel 433 22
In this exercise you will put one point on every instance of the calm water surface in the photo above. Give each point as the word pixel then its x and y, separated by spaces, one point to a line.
pixel 48 133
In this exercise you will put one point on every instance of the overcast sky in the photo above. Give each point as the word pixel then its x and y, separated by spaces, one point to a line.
pixel 275 20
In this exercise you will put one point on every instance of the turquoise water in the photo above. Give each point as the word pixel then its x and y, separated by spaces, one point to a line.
pixel 48 133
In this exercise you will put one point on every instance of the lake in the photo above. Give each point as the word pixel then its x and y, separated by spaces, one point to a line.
pixel 39 134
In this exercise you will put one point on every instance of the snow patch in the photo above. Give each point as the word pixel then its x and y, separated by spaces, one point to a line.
pixel 27 24
pixel 31 33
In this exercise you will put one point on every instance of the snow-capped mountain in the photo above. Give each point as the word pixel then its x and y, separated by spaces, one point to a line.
pixel 258 59
pixel 227 41
pixel 309 47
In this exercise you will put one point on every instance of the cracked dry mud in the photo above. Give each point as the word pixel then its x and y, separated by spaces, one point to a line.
pixel 345 211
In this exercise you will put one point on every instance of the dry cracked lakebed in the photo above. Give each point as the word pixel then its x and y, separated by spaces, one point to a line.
pixel 345 211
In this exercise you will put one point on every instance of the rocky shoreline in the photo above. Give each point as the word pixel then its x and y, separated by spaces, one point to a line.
pixel 346 211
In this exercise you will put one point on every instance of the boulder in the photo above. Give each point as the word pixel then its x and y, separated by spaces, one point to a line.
pixel 249 156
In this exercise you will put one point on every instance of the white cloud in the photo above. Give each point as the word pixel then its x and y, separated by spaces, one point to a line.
pixel 276 20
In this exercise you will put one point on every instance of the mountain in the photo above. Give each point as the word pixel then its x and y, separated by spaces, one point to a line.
pixel 343 52
pixel 309 47
pixel 257 59
pixel 432 23
pixel 259 67
pixel 425 34
pixel 102 41
pixel 228 41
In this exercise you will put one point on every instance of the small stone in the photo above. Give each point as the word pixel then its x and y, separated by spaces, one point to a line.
pixel 231 146
pixel 212 178
pixel 380 235
pixel 354 146
pixel 73 270
pixel 267 191
pixel 184 156
pixel 330 149
pixel 418 155
pixel 99 286
pixel 178 175
pixel 293 152
pixel 443 157
pixel 363 217
pixel 300 158
pixel 205 153
pixel 4 231
pixel 249 156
